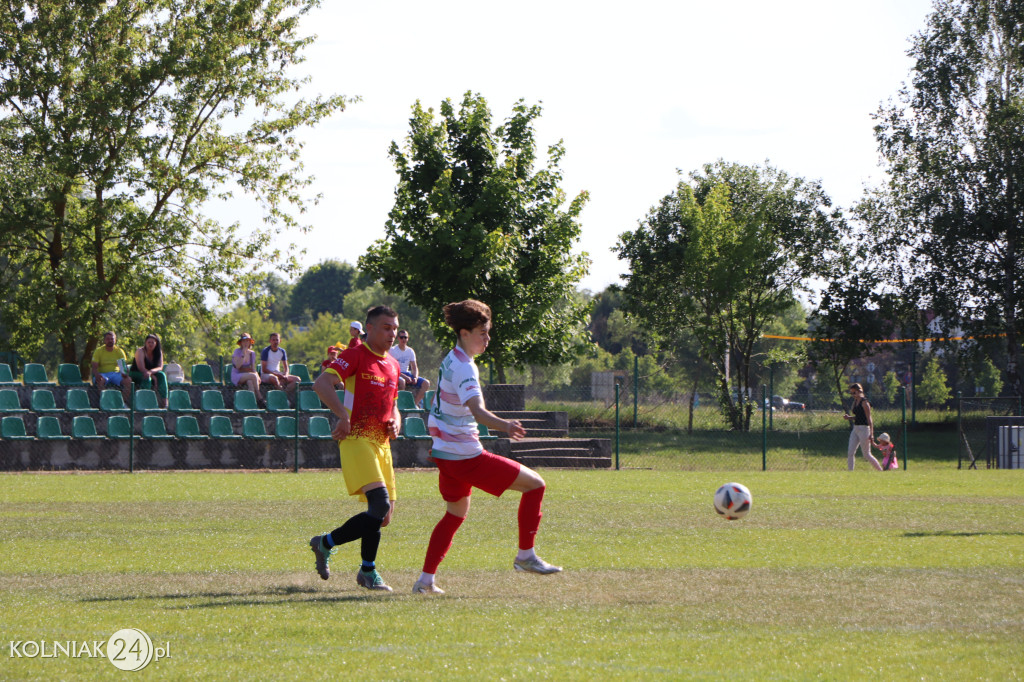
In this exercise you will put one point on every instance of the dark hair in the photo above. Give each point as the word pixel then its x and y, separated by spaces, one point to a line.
pixel 379 311
pixel 858 387
pixel 467 314
pixel 158 352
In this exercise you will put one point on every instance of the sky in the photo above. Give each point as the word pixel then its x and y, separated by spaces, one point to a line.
pixel 637 92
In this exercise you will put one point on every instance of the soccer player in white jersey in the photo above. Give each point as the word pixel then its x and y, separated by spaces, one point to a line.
pixel 462 462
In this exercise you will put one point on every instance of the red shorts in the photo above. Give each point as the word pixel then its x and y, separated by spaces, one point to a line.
pixel 491 473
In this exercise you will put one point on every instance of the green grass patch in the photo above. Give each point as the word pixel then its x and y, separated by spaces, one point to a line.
pixel 903 575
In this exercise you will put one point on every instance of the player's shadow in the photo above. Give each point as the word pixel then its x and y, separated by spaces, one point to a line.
pixel 956 533
pixel 269 597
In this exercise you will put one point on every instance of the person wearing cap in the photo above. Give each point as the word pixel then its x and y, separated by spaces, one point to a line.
pixel 332 355
pixel 888 450
pixel 243 366
pixel 355 330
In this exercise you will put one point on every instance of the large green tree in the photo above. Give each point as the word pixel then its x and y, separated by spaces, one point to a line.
pixel 118 121
pixel 322 289
pixel 473 218
pixel 953 211
pixel 721 257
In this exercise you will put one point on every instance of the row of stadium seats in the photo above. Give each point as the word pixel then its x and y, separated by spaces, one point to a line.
pixel 111 400
pixel 70 375
pixel 186 427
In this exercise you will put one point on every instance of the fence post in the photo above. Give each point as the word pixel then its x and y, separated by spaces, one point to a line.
pixel 764 428
pixel 903 422
pixel 913 384
pixel 297 389
pixel 771 394
pixel 616 426
pixel 131 430
pixel 636 388
pixel 959 431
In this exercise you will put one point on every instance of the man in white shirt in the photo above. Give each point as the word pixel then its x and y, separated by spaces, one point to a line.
pixel 409 378
pixel 274 366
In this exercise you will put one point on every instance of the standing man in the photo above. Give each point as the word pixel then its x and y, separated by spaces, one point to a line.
pixel 406 357
pixel 105 367
pixel 462 462
pixel 366 422
pixel 355 330
pixel 274 365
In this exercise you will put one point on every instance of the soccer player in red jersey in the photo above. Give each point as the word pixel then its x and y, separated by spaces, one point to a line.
pixel 367 421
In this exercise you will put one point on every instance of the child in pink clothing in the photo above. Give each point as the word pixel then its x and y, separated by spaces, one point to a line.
pixel 888 450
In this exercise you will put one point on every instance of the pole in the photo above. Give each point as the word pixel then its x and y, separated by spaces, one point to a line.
pixel 764 428
pixel 131 430
pixel 616 426
pixel 297 389
pixel 771 394
pixel 903 421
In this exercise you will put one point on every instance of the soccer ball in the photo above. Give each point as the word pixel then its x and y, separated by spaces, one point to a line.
pixel 733 501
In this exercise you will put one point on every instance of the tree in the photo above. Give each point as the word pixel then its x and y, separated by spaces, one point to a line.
pixel 473 219
pixel 953 209
pixel 721 257
pixel 117 122
pixel 933 390
pixel 322 289
pixel 988 379
pixel 892 386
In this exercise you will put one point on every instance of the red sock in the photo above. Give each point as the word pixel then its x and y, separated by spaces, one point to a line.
pixel 441 541
pixel 529 516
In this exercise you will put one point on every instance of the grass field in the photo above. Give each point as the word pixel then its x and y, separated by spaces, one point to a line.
pixel 895 576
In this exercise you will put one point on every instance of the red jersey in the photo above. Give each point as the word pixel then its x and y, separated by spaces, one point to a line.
pixel 371 386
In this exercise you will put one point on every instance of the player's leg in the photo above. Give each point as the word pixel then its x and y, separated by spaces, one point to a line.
pixel 532 486
pixel 851 448
pixel 456 494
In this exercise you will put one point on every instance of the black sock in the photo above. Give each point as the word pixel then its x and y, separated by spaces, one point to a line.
pixel 359 526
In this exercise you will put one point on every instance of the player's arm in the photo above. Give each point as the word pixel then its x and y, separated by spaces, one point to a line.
pixel 482 415
pixel 324 387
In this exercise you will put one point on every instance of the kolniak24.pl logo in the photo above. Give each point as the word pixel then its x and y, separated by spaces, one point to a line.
pixel 127 649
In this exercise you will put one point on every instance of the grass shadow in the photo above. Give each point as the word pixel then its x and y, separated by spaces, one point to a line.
pixel 957 533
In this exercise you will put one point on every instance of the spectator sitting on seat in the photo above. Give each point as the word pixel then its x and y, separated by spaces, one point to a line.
pixel 355 330
pixel 243 366
pixel 409 376
pixel 274 366
pixel 148 367
pixel 332 355
pixel 105 369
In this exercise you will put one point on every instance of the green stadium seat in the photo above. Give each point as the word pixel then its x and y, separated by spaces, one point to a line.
pixel 319 428
pixel 415 429
pixel 78 401
pixel 484 433
pixel 277 401
pixel 48 428
pixel 69 375
pixel 186 427
pixel 9 401
pixel 202 375
pixel 285 427
pixel 118 427
pixel 302 372
pixel 309 401
pixel 179 401
pixel 428 400
pixel 153 427
pixel 213 401
pixel 245 401
pixel 253 429
pixel 84 428
pixel 35 375
pixel 220 428
pixel 42 401
pixel 407 404
pixel 145 401
pixel 13 428
pixel 111 400
pixel 6 376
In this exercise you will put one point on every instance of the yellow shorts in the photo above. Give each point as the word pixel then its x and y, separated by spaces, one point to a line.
pixel 364 462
